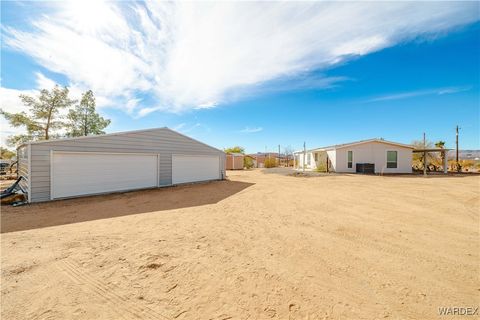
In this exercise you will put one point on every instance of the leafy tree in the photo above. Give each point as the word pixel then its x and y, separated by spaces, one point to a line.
pixel 43 117
pixel 6 154
pixel 236 149
pixel 83 120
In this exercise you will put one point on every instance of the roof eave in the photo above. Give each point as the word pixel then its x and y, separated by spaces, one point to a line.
pixel 116 134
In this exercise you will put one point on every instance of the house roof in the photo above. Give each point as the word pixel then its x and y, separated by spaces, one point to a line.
pixel 344 145
pixel 263 154
pixel 116 134
pixel 432 150
pixel 235 154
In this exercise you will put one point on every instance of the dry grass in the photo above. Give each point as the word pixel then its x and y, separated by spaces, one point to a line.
pixel 256 247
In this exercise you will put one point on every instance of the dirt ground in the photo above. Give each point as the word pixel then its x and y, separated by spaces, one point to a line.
pixel 259 246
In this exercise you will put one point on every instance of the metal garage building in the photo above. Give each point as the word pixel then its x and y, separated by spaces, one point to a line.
pixel 72 167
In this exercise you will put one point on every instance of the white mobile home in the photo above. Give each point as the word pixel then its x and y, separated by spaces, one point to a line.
pixel 366 156
pixel 72 167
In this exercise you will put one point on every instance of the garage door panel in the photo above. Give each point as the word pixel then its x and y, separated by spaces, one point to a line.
pixel 86 173
pixel 193 168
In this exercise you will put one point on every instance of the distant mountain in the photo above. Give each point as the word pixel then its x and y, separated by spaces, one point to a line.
pixel 465 154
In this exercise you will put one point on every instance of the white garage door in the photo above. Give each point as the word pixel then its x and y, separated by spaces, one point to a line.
pixel 82 173
pixel 194 168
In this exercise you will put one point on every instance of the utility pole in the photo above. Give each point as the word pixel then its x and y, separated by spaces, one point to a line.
pixel 424 156
pixel 456 152
pixel 304 155
pixel 279 155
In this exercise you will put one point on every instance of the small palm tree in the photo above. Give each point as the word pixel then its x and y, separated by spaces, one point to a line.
pixel 441 145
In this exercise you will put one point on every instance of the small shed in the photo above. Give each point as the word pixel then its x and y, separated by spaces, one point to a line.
pixel 72 167
pixel 234 161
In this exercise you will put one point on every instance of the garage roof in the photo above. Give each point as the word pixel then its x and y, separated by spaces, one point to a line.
pixel 116 134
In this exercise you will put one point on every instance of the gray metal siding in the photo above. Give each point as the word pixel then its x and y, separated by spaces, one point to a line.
pixel 165 169
pixel 22 156
pixel 160 141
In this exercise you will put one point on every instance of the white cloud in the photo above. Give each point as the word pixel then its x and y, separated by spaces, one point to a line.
pixel 185 128
pixel 10 101
pixel 179 126
pixel 207 105
pixel 251 130
pixel 417 93
pixel 76 90
pixel 43 82
pixel 200 54
pixel 195 126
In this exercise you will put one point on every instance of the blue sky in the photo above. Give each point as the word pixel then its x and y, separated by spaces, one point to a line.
pixel 273 73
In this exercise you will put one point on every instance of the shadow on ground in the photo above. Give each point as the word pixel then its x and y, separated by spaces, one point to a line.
pixel 69 211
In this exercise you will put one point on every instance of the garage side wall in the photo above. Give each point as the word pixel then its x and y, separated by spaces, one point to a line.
pixel 22 156
pixel 162 141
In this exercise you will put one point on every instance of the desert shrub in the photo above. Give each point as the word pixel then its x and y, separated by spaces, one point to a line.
pixel 247 162
pixel 467 165
pixel 321 167
pixel 270 162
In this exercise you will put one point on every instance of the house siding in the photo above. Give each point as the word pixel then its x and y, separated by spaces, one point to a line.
pixel 332 155
pixel 159 141
pixel 370 152
pixel 374 152
pixel 299 163
pixel 320 163
pixel 22 156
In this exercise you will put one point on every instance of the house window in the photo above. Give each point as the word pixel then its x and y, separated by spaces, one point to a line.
pixel 350 159
pixel 316 157
pixel 391 159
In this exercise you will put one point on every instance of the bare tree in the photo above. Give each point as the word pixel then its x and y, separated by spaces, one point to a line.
pixel 288 151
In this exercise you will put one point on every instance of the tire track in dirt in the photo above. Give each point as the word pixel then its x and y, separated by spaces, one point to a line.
pixel 120 304
pixel 40 275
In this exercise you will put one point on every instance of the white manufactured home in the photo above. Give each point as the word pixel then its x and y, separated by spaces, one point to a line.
pixel 366 156
pixel 72 167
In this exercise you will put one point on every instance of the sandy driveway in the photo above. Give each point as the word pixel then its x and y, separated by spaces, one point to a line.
pixel 259 246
